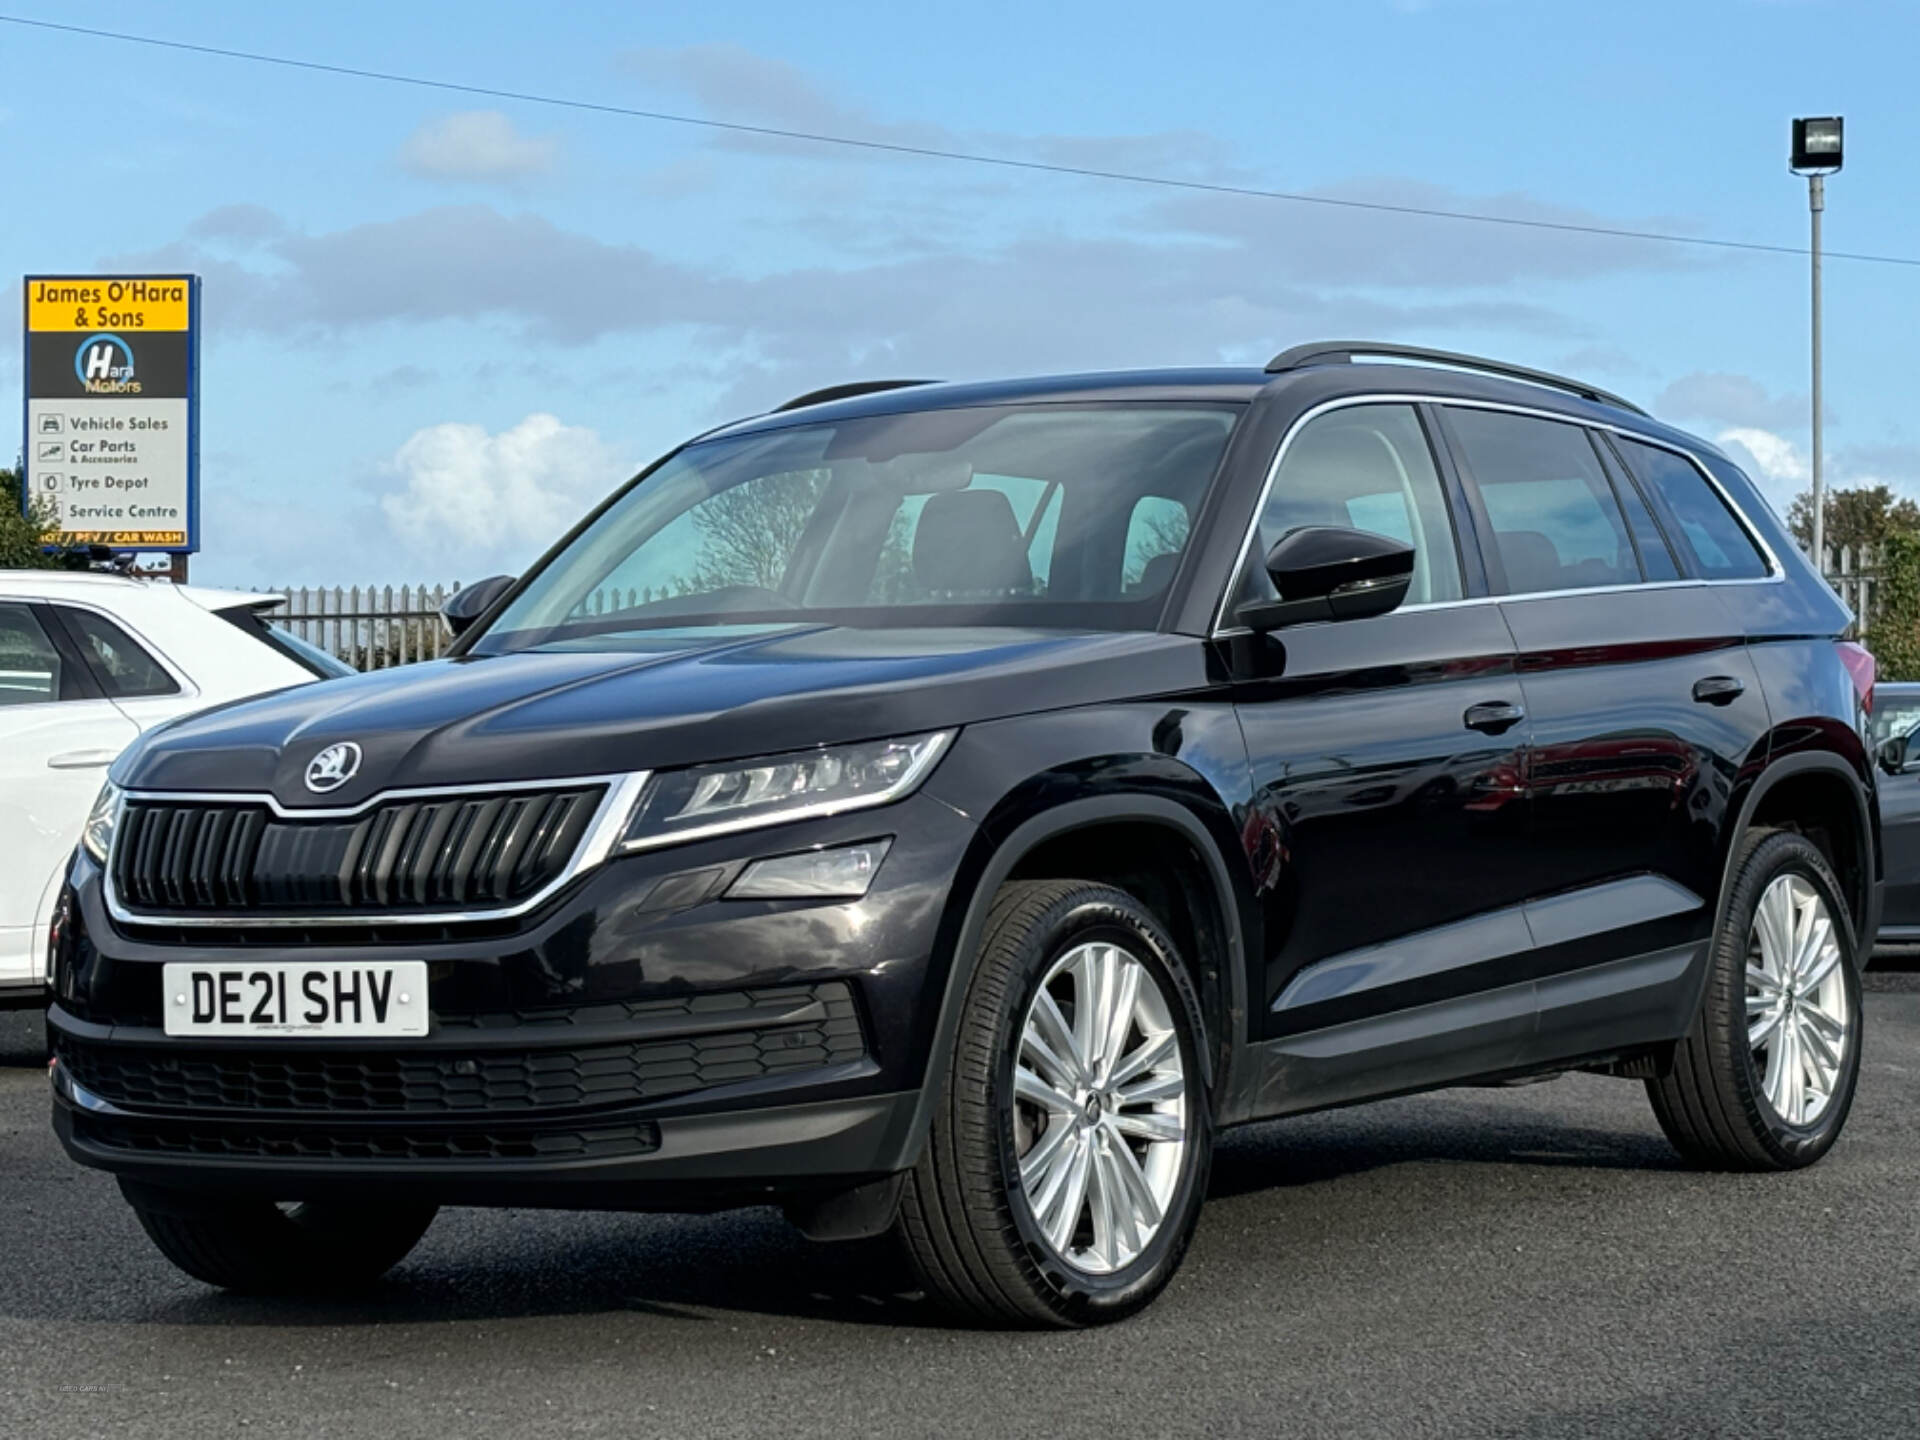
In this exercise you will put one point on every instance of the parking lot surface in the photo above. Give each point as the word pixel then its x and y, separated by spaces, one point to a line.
pixel 1519 1262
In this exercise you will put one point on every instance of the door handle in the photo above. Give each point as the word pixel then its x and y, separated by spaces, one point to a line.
pixel 82 759
pixel 1719 689
pixel 1493 716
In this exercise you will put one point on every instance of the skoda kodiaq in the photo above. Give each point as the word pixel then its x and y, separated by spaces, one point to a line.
pixel 941 809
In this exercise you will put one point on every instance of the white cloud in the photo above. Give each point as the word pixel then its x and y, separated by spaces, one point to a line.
pixel 475 502
pixel 476 145
pixel 1778 466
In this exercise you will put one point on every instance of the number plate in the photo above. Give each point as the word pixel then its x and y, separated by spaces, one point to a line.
pixel 294 997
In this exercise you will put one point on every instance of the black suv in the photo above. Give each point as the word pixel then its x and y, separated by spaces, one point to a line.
pixel 940 809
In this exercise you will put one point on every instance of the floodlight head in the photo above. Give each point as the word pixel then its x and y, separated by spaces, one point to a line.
pixel 1817 148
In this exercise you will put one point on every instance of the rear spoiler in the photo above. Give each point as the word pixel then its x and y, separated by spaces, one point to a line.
pixel 219 600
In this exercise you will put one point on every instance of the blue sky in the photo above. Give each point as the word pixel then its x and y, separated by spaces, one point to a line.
pixel 439 325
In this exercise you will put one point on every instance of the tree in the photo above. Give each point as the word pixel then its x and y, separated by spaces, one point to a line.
pixel 24 536
pixel 1865 516
pixel 1895 634
pixel 749 532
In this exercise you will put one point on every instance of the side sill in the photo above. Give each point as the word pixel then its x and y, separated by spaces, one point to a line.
pixel 1640 1000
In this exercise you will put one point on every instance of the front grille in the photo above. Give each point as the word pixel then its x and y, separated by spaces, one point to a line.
pixel 291 1079
pixel 319 1142
pixel 405 855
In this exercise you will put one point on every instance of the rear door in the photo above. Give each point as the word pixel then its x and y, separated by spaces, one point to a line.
pixel 1386 759
pixel 58 734
pixel 1645 707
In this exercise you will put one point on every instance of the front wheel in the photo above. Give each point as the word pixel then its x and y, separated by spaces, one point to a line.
pixel 257 1247
pixel 1067 1161
pixel 1766 1076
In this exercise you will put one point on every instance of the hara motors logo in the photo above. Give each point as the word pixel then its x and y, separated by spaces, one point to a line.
pixel 333 767
pixel 104 364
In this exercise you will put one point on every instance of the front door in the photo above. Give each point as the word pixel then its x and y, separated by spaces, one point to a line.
pixel 58 735
pixel 1387 758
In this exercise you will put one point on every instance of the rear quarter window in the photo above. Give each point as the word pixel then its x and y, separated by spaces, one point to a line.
pixel 1720 545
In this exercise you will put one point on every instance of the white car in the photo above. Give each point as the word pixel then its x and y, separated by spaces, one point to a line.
pixel 88 661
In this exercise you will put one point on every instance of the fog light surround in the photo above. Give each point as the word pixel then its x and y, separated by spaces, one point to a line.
pixel 844 872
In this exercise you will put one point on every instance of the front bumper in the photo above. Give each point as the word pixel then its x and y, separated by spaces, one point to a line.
pixel 640 1043
pixel 688 1162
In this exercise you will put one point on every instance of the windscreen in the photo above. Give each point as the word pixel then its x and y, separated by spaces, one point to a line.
pixel 1038 515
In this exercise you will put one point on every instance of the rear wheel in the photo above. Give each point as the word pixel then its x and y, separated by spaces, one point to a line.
pixel 1766 1077
pixel 1068 1158
pixel 257 1247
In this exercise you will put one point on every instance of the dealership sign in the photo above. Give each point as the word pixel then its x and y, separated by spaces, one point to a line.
pixel 112 441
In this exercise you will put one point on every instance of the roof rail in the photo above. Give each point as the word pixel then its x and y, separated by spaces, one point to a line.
pixel 1342 352
pixel 845 392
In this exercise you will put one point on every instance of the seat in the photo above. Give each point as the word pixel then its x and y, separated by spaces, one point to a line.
pixel 968 546
pixel 1532 561
pixel 1155 575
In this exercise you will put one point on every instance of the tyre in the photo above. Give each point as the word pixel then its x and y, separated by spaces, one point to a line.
pixel 1766 1076
pixel 1068 1155
pixel 257 1247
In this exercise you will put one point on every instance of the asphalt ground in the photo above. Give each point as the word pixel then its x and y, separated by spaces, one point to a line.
pixel 1521 1262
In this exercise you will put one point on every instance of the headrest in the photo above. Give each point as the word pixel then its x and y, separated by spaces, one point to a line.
pixel 968 545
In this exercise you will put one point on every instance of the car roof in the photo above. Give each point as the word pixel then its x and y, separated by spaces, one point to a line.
pixel 1219 384
pixel 75 582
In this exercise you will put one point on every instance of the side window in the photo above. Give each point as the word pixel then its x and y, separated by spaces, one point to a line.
pixel 124 669
pixel 1555 519
pixel 1366 467
pixel 1156 534
pixel 1721 546
pixel 1656 557
pixel 30 666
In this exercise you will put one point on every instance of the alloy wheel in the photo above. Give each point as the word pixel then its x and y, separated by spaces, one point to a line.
pixel 1799 1019
pixel 1100 1107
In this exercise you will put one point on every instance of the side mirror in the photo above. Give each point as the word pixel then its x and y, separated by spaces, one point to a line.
pixel 1328 572
pixel 1896 754
pixel 463 607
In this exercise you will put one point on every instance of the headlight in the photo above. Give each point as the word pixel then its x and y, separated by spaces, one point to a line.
pixel 714 799
pixel 96 836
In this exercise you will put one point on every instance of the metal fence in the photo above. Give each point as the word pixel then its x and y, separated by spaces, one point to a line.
pixel 372 627
pixel 1854 574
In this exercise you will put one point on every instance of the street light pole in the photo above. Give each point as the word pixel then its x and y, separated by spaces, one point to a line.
pixel 1817 153
pixel 1816 204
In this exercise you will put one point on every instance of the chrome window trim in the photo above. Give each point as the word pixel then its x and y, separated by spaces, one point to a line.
pixel 603 831
pixel 1776 573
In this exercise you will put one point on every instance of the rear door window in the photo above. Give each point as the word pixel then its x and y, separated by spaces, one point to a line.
pixel 1555 519
pixel 1720 545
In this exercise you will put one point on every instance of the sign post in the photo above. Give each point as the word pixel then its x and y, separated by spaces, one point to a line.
pixel 112 423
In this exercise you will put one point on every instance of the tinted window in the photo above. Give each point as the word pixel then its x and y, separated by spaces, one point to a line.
pixel 30 668
pixel 1656 559
pixel 1365 467
pixel 1720 544
pixel 1554 516
pixel 124 669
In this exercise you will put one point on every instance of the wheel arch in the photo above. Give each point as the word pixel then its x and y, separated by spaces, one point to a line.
pixel 1820 795
pixel 1037 843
